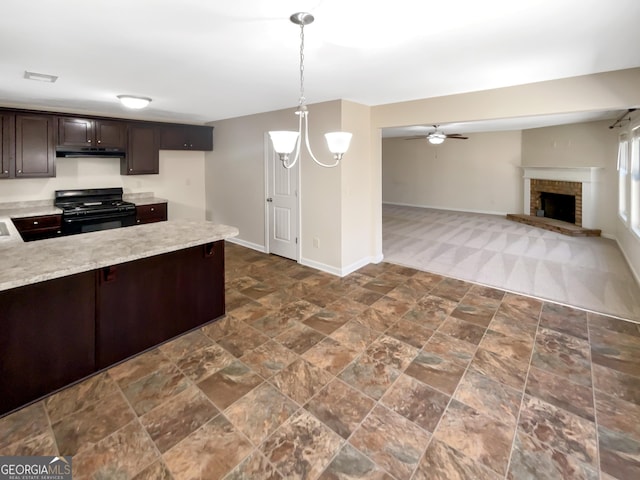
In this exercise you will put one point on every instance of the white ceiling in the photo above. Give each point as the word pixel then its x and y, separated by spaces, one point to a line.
pixel 205 60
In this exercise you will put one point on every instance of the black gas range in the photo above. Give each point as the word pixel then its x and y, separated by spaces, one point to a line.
pixel 92 209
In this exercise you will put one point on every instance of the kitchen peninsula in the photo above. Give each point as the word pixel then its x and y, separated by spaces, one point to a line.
pixel 72 306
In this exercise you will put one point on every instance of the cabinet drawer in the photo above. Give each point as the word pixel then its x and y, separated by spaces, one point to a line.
pixel 37 223
pixel 156 212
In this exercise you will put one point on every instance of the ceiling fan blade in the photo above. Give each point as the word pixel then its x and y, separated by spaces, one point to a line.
pixel 457 136
pixel 417 137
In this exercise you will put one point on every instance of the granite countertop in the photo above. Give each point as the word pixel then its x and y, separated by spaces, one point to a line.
pixel 46 207
pixel 146 198
pixel 26 263
pixel 21 211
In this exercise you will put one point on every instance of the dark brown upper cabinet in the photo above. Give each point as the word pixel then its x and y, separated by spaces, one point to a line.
pixel 35 154
pixel 7 145
pixel 186 137
pixel 84 132
pixel 27 145
pixel 143 154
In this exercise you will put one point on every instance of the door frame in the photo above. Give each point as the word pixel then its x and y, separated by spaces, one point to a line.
pixel 268 152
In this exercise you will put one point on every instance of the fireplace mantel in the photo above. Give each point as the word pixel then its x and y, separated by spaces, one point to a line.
pixel 587 176
pixel 567 174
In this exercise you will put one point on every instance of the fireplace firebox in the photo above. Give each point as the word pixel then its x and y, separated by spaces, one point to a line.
pixel 556 191
pixel 559 206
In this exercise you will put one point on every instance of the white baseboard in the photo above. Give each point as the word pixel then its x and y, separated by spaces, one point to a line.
pixel 447 209
pixel 340 272
pixel 633 271
pixel 244 243
pixel 321 266
pixel 344 271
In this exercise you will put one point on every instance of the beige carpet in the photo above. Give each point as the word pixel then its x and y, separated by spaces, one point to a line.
pixel 589 273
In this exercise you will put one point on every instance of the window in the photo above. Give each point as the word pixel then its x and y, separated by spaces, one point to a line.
pixel 623 177
pixel 634 200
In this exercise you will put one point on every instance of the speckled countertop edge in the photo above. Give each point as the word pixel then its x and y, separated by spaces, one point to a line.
pixel 32 262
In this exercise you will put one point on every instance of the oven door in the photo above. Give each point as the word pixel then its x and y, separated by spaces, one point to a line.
pixel 95 222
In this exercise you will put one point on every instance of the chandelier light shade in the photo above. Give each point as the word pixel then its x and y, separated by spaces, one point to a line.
pixel 131 101
pixel 338 142
pixel 286 142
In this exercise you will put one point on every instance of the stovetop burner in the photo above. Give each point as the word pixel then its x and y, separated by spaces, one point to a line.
pixel 95 200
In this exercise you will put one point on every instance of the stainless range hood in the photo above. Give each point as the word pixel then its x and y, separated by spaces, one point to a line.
pixel 66 151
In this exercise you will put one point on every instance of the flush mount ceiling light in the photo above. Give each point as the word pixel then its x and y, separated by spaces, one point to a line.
pixel 131 101
pixel 40 77
pixel 284 142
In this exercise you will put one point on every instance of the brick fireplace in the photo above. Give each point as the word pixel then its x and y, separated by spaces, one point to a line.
pixel 581 182
pixel 539 186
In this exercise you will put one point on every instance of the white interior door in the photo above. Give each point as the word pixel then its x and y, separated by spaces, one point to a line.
pixel 282 206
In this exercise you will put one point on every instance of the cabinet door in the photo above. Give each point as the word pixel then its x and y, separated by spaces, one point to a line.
pixel 143 152
pixel 173 137
pixel 35 148
pixel 110 134
pixel 7 145
pixel 75 132
pixel 200 138
pixel 147 301
pixel 186 137
pixel 48 337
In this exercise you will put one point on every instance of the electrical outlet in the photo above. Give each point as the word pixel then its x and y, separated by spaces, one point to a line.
pixel 316 242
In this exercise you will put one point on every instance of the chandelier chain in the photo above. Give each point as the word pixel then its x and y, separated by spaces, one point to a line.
pixel 302 99
pixel 287 144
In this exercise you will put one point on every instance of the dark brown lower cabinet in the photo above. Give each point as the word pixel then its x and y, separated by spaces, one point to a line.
pixel 143 303
pixel 59 331
pixel 48 337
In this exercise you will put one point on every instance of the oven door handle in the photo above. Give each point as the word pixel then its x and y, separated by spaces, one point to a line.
pixel 92 218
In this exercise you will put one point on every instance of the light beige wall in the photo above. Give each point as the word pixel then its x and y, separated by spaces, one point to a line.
pixel 358 212
pixel 236 182
pixel 321 199
pixel 481 174
pixel 234 172
pixel 181 181
pixel 590 144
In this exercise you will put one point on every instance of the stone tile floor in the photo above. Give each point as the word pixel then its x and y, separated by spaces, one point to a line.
pixel 388 373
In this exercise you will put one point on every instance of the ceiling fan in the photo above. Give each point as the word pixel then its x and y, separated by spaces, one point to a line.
pixel 437 136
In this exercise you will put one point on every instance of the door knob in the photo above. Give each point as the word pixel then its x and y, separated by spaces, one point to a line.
pixel 269 199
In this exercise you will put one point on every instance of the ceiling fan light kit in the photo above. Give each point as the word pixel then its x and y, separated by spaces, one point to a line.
pixel 285 142
pixel 437 137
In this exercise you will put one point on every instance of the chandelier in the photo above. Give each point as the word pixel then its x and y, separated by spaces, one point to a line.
pixel 285 142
